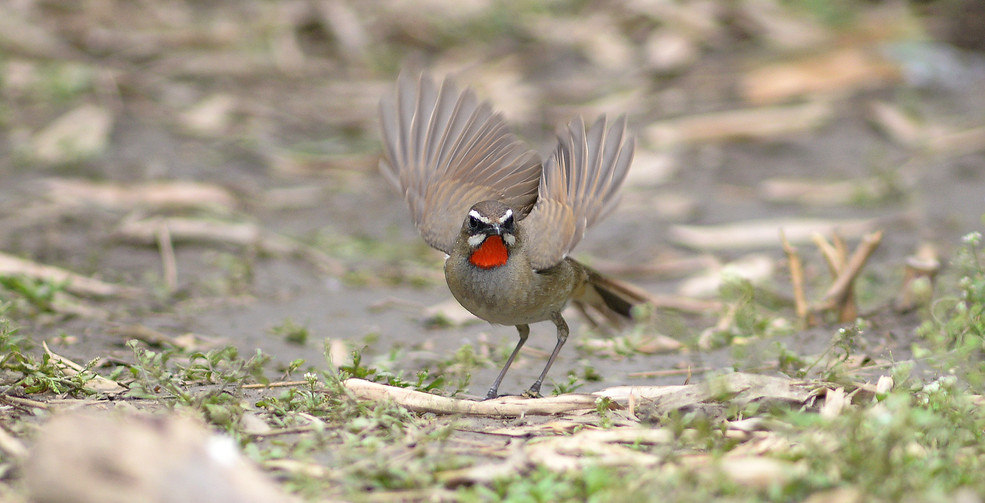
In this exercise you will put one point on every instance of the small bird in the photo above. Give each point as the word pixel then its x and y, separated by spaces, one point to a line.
pixel 506 220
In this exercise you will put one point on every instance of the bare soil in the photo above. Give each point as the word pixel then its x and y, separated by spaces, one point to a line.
pixel 298 150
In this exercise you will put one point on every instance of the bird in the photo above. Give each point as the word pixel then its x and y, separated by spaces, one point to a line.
pixel 506 219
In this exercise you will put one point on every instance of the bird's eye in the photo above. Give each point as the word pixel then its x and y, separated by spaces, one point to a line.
pixel 508 222
pixel 473 223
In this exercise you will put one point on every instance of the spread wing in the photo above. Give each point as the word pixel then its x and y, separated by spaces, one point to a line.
pixel 446 151
pixel 579 187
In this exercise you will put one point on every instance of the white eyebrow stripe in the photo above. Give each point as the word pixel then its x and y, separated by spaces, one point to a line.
pixel 478 216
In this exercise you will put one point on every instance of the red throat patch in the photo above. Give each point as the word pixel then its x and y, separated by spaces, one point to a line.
pixel 491 253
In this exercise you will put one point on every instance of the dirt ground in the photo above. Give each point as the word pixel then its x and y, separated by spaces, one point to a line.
pixel 273 105
pixel 297 148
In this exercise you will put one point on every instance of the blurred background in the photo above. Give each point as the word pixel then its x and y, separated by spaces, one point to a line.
pixel 214 163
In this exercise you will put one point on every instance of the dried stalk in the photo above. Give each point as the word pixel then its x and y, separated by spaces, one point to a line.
pixel 508 406
pixel 842 286
pixel 797 279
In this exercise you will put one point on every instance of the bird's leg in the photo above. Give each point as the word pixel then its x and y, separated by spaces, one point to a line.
pixel 524 331
pixel 562 337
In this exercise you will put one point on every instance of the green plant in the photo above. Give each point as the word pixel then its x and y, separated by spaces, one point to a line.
pixel 291 332
pixel 748 313
pixel 570 386
pixel 35 295
pixel 957 324
pixel 220 373
pixel 358 370
pixel 237 272
pixel 34 374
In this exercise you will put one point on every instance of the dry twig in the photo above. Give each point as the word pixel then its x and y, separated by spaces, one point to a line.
pixel 508 406
pixel 97 383
pixel 147 231
pixel 840 296
pixel 841 289
pixel 75 283
pixel 797 278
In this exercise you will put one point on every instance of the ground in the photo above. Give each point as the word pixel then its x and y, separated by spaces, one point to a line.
pixel 838 118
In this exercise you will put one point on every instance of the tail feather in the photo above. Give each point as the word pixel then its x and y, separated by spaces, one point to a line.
pixel 616 298
pixel 611 298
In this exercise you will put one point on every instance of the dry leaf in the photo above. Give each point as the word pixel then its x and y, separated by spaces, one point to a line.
pixel 176 194
pixel 755 123
pixel 190 229
pixel 75 283
pixel 586 449
pixel 651 168
pixel 449 311
pixel 78 134
pixel 147 231
pixel 757 472
pixel 765 233
pixel 503 83
pixel 293 466
pixel 838 495
pixel 338 352
pixel 835 401
pixel 821 193
pixel 756 268
pixel 645 344
pixel 738 387
pixel 251 424
pixel 780 25
pixel 669 51
pixel 595 34
pixel 897 125
pixel 487 472
pixel 346 26
pixel 20 34
pixel 838 71
pixel 211 116
pixel 884 385
pixel 98 383
pixel 702 19
pixel 958 143
pixel 286 198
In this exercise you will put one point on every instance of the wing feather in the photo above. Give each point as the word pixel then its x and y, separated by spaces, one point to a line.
pixel 445 150
pixel 579 187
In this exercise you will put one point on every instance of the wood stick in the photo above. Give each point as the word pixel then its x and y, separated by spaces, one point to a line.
pixel 23 402
pixel 75 283
pixel 847 308
pixel 839 290
pixel 169 264
pixel 840 247
pixel 669 372
pixel 829 253
pixel 507 406
pixel 797 280
pixel 279 384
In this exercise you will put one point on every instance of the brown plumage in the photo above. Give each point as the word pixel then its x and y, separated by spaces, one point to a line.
pixel 453 159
